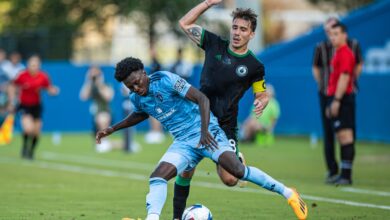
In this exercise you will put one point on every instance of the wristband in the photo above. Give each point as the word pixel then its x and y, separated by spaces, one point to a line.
pixel 337 99
pixel 207 3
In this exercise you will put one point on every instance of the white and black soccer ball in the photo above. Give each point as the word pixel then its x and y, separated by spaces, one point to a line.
pixel 197 212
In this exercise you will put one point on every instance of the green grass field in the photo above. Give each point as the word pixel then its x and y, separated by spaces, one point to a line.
pixel 71 181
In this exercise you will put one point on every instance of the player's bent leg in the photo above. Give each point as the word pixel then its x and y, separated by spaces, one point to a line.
pixel 181 192
pixel 158 189
pixel 227 178
pixel 28 133
pixel 230 162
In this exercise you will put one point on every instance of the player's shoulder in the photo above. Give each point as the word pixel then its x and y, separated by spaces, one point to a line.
pixel 346 50
pixel 352 42
pixel 43 74
pixel 323 43
pixel 255 59
pixel 216 37
pixel 134 98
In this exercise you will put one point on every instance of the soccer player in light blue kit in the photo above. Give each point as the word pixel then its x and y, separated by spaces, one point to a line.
pixel 184 111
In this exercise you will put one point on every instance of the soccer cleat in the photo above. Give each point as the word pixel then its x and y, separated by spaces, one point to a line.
pixel 298 205
pixel 342 182
pixel 331 179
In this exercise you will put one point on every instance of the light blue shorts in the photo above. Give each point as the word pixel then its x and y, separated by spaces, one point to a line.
pixel 185 154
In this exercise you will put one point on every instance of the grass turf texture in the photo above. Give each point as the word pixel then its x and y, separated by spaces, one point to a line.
pixel 71 181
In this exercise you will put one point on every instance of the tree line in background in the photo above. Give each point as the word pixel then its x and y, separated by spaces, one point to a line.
pixel 49 27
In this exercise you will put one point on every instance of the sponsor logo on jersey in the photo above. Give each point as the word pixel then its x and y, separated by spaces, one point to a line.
pixel 226 60
pixel 158 110
pixel 179 85
pixel 242 70
pixel 166 114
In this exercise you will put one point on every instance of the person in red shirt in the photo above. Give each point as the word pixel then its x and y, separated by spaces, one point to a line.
pixel 29 84
pixel 341 108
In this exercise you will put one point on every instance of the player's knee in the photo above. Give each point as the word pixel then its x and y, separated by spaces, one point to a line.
pixel 345 136
pixel 164 170
pixel 230 181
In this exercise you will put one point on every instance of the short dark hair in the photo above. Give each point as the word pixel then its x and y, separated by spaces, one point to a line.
pixel 341 26
pixel 127 66
pixel 246 14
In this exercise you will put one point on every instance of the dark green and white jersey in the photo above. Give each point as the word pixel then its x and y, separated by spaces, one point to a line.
pixel 226 76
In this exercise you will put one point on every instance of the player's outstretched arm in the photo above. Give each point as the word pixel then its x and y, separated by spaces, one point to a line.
pixel 131 120
pixel 187 22
pixel 199 98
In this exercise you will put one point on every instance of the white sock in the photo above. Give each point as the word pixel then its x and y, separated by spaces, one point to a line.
pixel 153 217
pixel 287 192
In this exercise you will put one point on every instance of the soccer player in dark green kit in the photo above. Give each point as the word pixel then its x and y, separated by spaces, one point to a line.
pixel 229 70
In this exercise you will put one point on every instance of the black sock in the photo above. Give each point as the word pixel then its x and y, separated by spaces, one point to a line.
pixel 179 200
pixel 347 156
pixel 33 145
pixel 25 147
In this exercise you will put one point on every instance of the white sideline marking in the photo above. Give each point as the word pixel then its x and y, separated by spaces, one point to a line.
pixel 365 191
pixel 111 173
pixel 109 163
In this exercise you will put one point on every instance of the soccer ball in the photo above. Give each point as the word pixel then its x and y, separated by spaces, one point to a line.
pixel 197 212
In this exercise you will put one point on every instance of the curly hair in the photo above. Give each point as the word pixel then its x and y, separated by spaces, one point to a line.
pixel 127 66
pixel 246 14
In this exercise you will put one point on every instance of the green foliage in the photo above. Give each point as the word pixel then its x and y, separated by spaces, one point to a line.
pixel 65 17
pixel 343 4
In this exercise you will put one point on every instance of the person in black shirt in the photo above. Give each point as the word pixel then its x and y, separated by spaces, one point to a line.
pixel 323 54
pixel 229 70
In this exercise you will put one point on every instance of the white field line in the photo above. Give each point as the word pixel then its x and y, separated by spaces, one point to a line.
pixel 111 173
pixel 365 191
pixel 110 163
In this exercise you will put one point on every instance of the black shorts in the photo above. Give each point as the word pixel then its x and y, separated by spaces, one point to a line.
pixel 346 117
pixel 34 110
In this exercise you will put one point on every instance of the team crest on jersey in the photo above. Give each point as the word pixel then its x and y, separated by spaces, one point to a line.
pixel 179 85
pixel 159 97
pixel 242 70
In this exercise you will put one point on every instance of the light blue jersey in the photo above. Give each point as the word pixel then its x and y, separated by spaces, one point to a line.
pixel 166 102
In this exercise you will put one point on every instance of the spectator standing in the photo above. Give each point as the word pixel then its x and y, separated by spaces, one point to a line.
pixel 101 94
pixel 323 54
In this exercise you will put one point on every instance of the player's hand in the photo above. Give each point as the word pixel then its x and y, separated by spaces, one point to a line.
pixel 207 140
pixel 103 133
pixel 213 2
pixel 53 90
pixel 334 108
pixel 259 107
